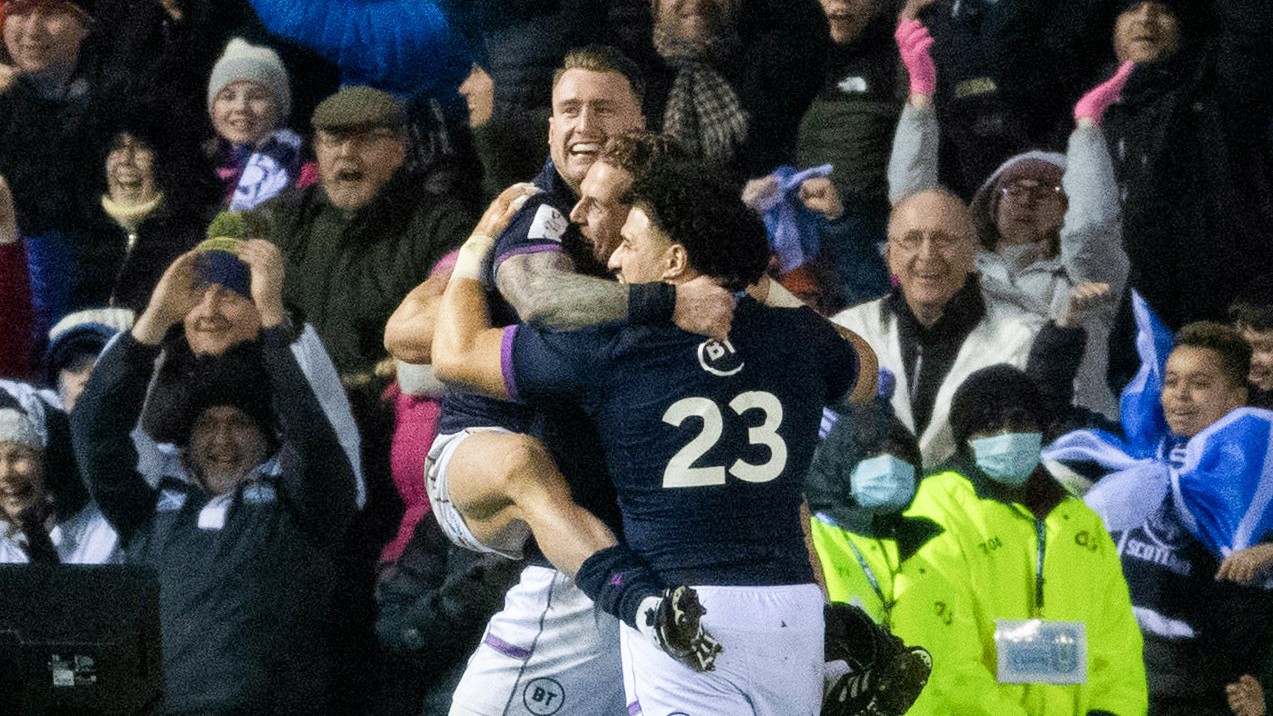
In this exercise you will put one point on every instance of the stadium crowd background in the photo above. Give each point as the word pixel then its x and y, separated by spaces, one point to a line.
pixel 1092 149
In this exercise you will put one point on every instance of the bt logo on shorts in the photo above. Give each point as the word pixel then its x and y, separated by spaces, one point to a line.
pixel 719 358
pixel 543 696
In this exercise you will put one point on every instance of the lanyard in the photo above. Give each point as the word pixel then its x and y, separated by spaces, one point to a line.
pixel 887 604
pixel 1041 531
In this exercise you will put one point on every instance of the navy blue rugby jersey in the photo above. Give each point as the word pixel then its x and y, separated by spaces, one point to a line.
pixel 541 225
pixel 707 442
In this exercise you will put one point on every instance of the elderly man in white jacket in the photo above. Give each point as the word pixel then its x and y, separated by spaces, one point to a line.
pixel 935 328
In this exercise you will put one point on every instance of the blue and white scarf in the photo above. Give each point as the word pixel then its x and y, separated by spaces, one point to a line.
pixel 270 169
pixel 794 234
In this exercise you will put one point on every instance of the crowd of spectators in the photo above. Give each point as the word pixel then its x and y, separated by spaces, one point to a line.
pixel 1051 222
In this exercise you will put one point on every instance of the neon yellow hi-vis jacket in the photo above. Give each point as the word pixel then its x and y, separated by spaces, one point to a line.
pixel 888 560
pixel 988 554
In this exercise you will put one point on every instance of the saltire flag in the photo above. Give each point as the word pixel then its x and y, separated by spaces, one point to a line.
pixel 1221 480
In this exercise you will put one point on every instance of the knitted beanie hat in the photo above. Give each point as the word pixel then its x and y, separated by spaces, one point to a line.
pixel 81 336
pixel 218 263
pixel 1186 11
pixel 252 63
pixel 16 425
pixel 1042 167
pixel 994 397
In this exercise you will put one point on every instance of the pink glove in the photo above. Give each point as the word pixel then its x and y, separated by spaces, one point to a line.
pixel 913 42
pixel 1098 99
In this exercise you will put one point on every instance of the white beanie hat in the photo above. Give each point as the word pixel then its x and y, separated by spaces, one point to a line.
pixel 253 63
pixel 16 427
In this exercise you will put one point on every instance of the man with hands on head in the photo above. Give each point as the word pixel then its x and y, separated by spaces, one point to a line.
pixel 225 320
pixel 242 539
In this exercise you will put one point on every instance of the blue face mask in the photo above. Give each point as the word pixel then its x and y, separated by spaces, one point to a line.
pixel 1009 458
pixel 882 483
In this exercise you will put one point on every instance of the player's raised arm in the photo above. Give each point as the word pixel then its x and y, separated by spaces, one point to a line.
pixel 466 349
pixel 868 368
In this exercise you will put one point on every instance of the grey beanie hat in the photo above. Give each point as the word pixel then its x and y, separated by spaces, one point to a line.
pixel 242 61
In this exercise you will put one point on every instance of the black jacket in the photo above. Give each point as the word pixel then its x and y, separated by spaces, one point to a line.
pixel 348 273
pixel 124 275
pixel 242 607
pixel 1190 144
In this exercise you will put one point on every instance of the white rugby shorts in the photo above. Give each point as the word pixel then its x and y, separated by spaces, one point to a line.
pixel 436 465
pixel 549 652
pixel 770 662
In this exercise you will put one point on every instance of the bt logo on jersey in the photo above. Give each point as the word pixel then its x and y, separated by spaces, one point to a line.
pixel 543 696
pixel 719 358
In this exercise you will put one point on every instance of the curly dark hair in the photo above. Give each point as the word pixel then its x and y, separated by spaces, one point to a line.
pixel 1234 352
pixel 1253 307
pixel 638 151
pixel 722 237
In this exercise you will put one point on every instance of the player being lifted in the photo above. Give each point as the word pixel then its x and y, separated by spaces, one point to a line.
pixel 707 442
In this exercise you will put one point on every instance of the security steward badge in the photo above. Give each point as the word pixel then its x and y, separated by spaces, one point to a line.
pixel 1041 651
pixel 548 224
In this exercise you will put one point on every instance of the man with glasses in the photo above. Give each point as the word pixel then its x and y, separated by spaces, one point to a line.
pixel 935 328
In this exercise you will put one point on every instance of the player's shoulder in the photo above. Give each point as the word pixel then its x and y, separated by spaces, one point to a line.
pixel 788 322
pixel 545 215
pixel 540 219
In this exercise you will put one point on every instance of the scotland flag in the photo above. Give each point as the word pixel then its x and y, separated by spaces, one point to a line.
pixel 1221 480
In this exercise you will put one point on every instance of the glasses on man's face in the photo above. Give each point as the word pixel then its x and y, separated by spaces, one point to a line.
pixel 913 240
pixel 357 140
pixel 1037 192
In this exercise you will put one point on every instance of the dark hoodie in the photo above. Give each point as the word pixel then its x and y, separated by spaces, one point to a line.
pixel 1190 145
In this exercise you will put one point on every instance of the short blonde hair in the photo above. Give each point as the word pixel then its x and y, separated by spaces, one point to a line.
pixel 603 58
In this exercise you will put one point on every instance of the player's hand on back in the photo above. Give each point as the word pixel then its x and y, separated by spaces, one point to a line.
pixel 703 307
pixel 501 210
pixel 475 251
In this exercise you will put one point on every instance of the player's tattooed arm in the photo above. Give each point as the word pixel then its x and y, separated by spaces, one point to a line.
pixel 544 289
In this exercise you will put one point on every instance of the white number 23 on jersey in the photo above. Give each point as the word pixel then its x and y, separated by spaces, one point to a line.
pixel 680 470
